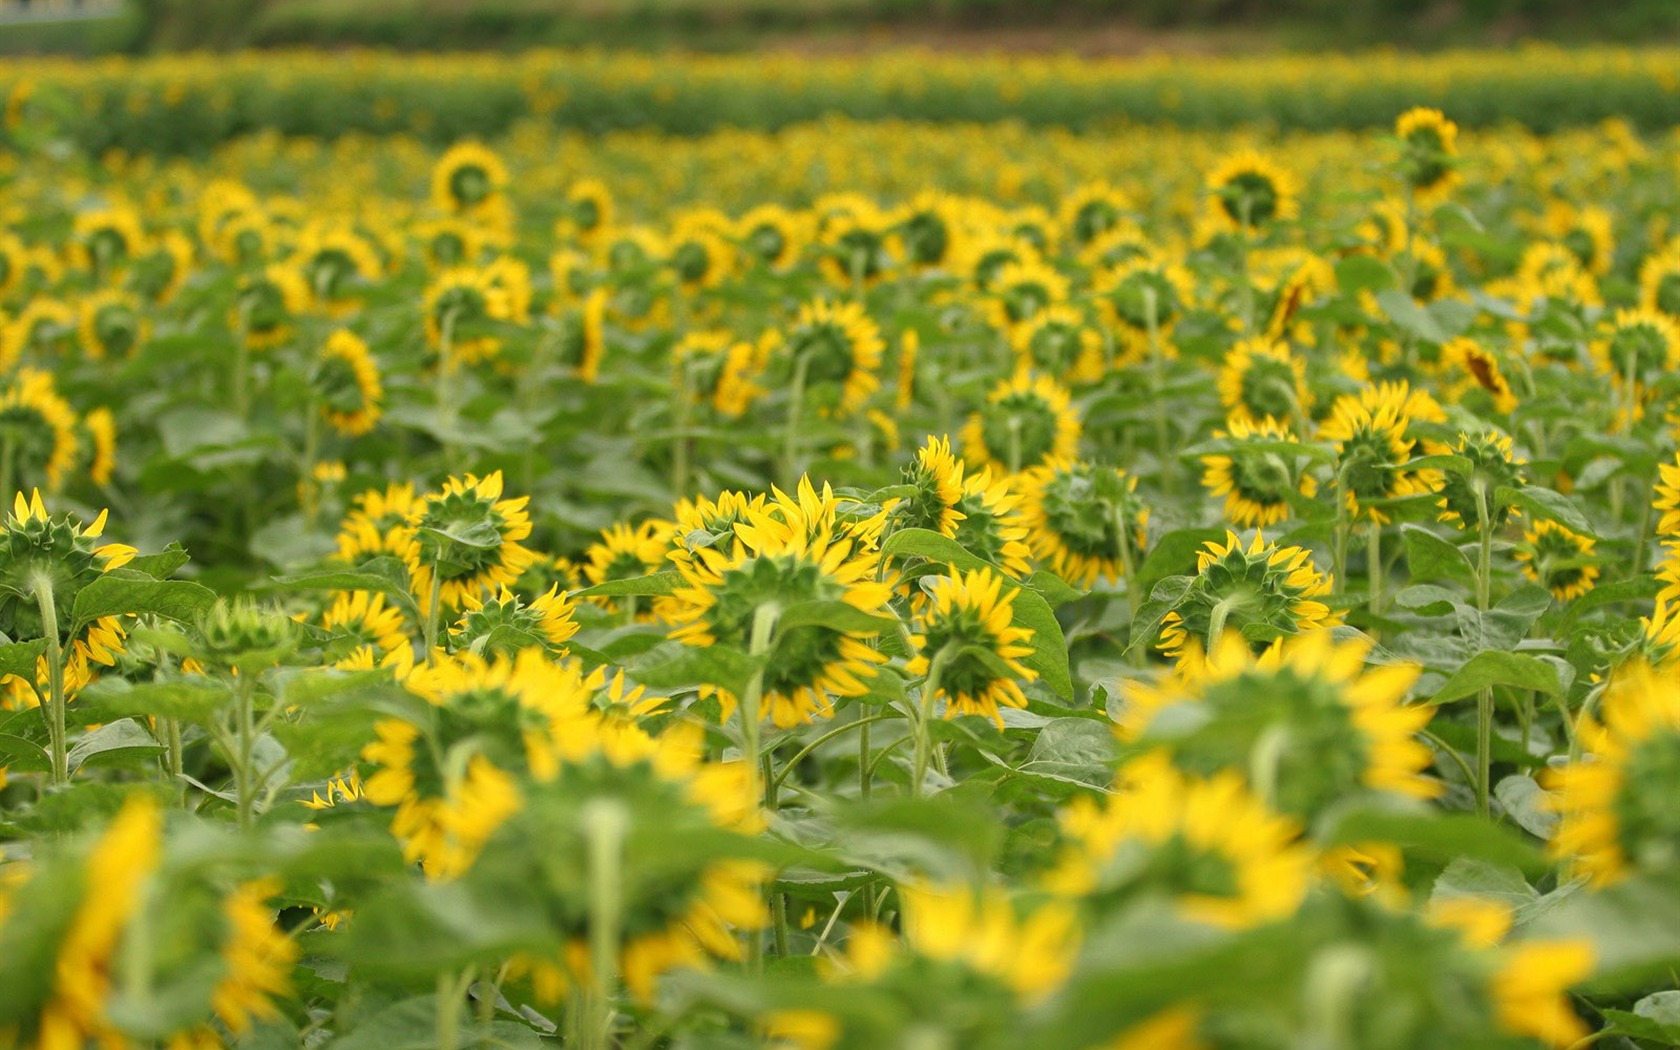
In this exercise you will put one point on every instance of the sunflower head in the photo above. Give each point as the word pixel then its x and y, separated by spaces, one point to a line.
pixel 1092 210
pixel 1470 498
pixel 703 522
pixel 1256 483
pixel 1027 419
pixel 1328 726
pixel 1143 292
pixel 507 624
pixel 245 635
pixel 937 478
pixel 967 628
pixel 784 557
pixel 39 428
pixel 1060 342
pixel 1558 559
pixel 377 523
pixel 1247 191
pixel 1639 345
pixel 467 176
pixel 839 346
pixel 1078 516
pixel 1262 380
pixel 1158 836
pixel 1614 804
pixel 347 385
pixel 268 305
pixel 57 552
pixel 772 235
pixel 1257 593
pixel 626 552
pixel 1428 151
pixel 111 325
pixel 464 539
pixel 1483 369
pixel 1372 449
pixel 992 525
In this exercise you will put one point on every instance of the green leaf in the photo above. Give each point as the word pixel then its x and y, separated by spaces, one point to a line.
pixel 163 564
pixel 1633 926
pixel 21 658
pixel 1640 588
pixel 1050 652
pixel 412 1025
pixel 1364 273
pixel 120 741
pixel 1174 554
pixel 187 699
pixel 1525 802
pixel 1147 626
pixel 119 593
pixel 1054 589
pixel 23 755
pixel 925 543
pixel 656 584
pixel 833 614
pixel 1411 318
pixel 1548 504
pixel 677 666
pixel 1077 749
pixel 1499 668
pixel 1431 833
pixel 379 576
pixel 1429 557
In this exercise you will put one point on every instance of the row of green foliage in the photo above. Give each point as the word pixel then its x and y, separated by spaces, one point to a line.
pixel 183 104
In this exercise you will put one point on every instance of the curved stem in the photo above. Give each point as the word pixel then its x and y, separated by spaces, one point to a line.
pixel 924 720
pixel 58 730
pixel 606 824
pixel 1484 699
pixel 805 751
pixel 434 609
pixel 796 408
pixel 1374 567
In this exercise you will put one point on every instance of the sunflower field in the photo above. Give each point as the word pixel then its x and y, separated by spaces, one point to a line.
pixel 834 582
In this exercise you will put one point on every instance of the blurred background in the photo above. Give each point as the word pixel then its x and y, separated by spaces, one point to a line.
pixel 1082 26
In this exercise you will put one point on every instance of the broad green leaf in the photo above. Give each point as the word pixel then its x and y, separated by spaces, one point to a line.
pixel 119 741
pixel 655 584
pixel 22 658
pixel 1411 318
pixel 119 593
pixel 1440 836
pixel 1174 554
pixel 1499 668
pixel 925 543
pixel 833 614
pixel 1429 557
pixel 1548 504
pixel 187 699
pixel 163 564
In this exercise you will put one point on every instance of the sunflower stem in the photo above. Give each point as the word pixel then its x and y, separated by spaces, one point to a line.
pixel 1014 423
pixel 244 787
pixel 434 610
pixel 1640 553
pixel 242 364
pixel 1157 388
pixel 605 823
pixel 58 732
pixel 679 439
pixel 863 759
pixel 445 391
pixel 1128 565
pixel 311 446
pixel 8 464
pixel 1374 567
pixel 1484 699
pixel 796 408
pixel 1217 618
pixel 448 1012
pixel 924 720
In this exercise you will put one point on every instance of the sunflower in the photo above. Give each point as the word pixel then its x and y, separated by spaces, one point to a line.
pixel 1429 150
pixel 1262 380
pixel 111 324
pixel 1615 816
pixel 1284 281
pixel 1221 855
pixel 464 540
pixel 986 255
pixel 904 393
pixel 115 874
pixel 1020 291
pixel 377 523
pixel 1342 728
pixel 14 264
pixel 1659 282
pixel 158 274
pixel 781 557
pixel 1143 296
pixel 365 620
pixel 704 522
pixel 1550 271
pixel 462 303
pixel 1061 342
pixel 1256 483
pixel 855 248
pixel 699 256
pixel 1083 521
pixel 937 478
pixel 772 235
pixel 100 428
pixel 108 239
pixel 1116 247
pixel 335 260
pixel 1027 420
pixel 582 336
pixel 839 348
pixel 992 525
pixel 450 243
pixel 1258 594
pixel 716 368
pixel 1482 367
pixel 1530 991
pixel 1248 191
pixel 267 306
pixel 1029 951
pixel 256 958
pixel 1371 452
pixel 1470 498
pixel 970 612
pixel 1639 348
pixel 38 442
pixel 1559 559
pixel 1093 210
pixel 467 178
pixel 627 552
pixel 346 382
pixel 1585 230
pixel 43 324
pixel 588 212
pixel 927 231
